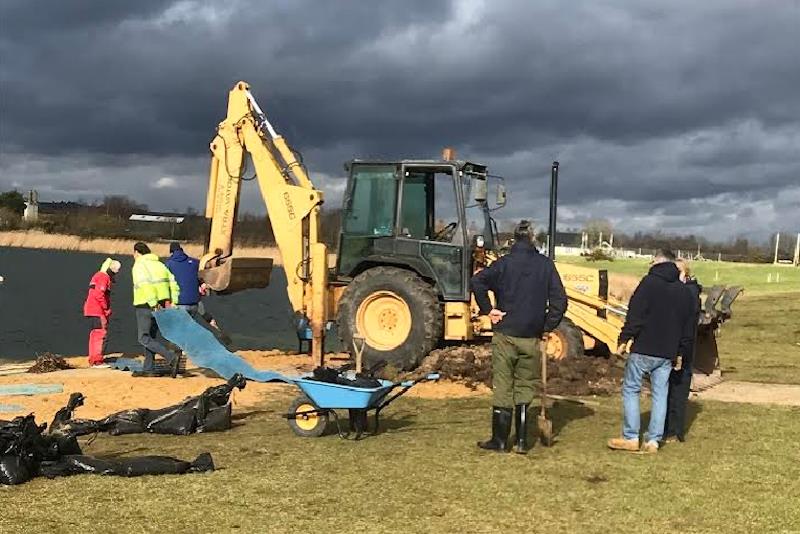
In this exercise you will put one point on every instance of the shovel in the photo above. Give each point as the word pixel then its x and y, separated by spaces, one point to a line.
pixel 545 425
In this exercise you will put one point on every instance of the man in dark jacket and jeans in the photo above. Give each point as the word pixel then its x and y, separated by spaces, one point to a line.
pixel 529 303
pixel 185 268
pixel 660 322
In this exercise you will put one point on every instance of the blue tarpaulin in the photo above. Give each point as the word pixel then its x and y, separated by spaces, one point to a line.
pixel 205 350
pixel 30 389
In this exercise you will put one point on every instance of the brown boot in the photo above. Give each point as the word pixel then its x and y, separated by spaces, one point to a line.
pixel 651 447
pixel 622 444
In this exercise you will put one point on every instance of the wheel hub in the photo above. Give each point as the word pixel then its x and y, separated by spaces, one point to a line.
pixel 306 421
pixel 384 320
pixel 555 348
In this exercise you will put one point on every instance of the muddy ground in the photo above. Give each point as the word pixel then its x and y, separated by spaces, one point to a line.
pixel 472 365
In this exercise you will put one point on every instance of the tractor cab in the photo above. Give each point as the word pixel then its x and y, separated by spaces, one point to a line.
pixel 429 216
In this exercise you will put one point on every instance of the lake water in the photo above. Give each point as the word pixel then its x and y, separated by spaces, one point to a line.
pixel 41 307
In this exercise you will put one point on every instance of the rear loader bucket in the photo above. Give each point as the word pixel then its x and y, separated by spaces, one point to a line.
pixel 236 274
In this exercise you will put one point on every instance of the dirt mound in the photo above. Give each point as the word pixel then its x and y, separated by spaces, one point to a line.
pixel 472 365
pixel 49 362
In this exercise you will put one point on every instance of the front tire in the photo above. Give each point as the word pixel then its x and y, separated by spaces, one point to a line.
pixel 303 423
pixel 566 341
pixel 396 312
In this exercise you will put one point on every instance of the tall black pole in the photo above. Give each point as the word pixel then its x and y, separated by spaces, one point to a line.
pixel 551 232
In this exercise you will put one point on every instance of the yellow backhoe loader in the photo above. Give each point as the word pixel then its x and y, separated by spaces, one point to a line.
pixel 413 232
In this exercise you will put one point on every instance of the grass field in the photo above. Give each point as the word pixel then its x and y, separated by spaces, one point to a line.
pixel 761 342
pixel 753 277
pixel 737 473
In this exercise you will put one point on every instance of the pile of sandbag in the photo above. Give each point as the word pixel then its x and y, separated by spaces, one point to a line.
pixel 207 412
pixel 29 450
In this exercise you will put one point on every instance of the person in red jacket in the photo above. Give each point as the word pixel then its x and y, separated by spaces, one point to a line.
pixel 97 309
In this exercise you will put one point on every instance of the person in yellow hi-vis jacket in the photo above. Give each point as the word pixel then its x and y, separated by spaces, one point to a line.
pixel 154 287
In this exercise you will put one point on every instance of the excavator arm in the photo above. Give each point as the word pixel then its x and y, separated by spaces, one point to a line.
pixel 293 205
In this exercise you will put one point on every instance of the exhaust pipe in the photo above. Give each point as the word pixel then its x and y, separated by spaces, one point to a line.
pixel 551 231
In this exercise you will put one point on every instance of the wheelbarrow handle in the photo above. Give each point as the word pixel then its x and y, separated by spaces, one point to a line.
pixel 431 377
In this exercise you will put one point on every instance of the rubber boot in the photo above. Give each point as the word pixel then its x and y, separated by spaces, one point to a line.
pixel 501 428
pixel 521 425
pixel 96 339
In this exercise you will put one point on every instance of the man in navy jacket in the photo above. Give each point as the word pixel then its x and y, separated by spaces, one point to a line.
pixel 660 322
pixel 530 302
pixel 185 268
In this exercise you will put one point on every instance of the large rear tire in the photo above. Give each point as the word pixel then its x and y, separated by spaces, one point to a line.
pixel 396 312
pixel 566 341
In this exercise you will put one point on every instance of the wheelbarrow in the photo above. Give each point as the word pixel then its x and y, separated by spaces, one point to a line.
pixel 310 412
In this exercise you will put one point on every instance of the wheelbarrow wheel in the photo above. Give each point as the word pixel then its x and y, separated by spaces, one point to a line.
pixel 307 425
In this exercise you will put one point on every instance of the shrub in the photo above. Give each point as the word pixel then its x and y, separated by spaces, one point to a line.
pixel 599 254
pixel 9 219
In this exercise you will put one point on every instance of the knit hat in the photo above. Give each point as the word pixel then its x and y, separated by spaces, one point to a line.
pixel 110 264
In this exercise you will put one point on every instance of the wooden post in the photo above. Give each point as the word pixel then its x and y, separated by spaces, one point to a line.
pixel 777 242
pixel 797 252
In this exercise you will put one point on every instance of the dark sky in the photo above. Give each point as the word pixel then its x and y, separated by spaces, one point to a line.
pixel 682 116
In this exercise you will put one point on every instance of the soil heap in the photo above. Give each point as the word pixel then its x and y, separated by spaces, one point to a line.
pixel 472 365
pixel 48 362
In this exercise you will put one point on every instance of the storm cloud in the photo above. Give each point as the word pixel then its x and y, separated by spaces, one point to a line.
pixel 680 116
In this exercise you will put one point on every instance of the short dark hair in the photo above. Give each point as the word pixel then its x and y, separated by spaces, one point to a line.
pixel 174 246
pixel 141 248
pixel 665 253
pixel 523 232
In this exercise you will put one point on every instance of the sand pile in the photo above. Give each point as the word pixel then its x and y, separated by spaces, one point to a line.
pixel 472 366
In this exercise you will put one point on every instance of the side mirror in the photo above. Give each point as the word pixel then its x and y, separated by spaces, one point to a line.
pixel 479 189
pixel 501 195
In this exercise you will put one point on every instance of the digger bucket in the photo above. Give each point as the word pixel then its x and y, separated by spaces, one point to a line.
pixel 236 274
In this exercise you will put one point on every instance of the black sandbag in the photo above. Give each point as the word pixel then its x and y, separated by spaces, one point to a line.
pixel 330 375
pixel 67 445
pixel 64 415
pixel 77 427
pixel 14 470
pixel 125 467
pixel 125 422
pixel 177 420
pixel 216 420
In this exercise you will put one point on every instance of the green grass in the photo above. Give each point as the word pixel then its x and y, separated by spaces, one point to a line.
pixel 737 473
pixel 753 277
pixel 761 342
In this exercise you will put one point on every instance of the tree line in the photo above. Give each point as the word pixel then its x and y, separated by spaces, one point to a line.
pixel 110 218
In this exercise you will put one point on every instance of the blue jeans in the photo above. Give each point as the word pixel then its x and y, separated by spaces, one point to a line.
pixel 635 369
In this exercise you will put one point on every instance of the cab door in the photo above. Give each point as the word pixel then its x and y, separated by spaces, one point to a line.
pixel 430 223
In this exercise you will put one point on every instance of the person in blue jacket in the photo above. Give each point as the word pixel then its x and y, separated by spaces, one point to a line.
pixel 185 270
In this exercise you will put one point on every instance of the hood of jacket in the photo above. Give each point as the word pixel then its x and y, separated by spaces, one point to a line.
pixel 179 255
pixel 667 271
